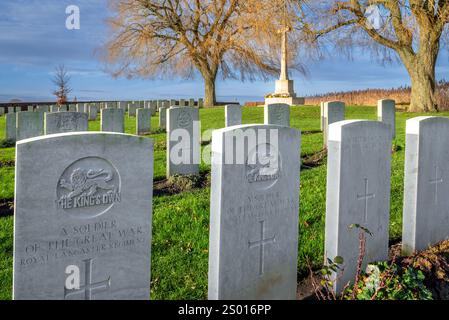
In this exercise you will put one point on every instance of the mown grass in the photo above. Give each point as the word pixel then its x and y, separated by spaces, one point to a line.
pixel 181 222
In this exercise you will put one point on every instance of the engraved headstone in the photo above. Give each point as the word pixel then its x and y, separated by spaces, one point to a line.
pixel 113 120
pixel 62 122
pixel 11 122
pixel 200 103
pixel 253 242
pixel 386 112
pixel 143 121
pixel 29 125
pixel 82 228
pixel 132 109
pixel 277 114
pixel 72 108
pixel 18 109
pixel 2 111
pixel 426 186
pixel 11 110
pixel 63 108
pixel 54 108
pixel 334 111
pixel 182 103
pixel 358 193
pixel 163 118
pixel 93 112
pixel 233 115
pixel 183 141
pixel 191 103
pixel 30 108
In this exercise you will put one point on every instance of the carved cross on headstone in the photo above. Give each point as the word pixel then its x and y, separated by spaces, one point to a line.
pixel 261 245
pixel 436 181
pixel 88 287
pixel 365 197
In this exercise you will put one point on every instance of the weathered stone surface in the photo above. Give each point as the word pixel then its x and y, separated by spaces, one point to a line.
pixel 426 185
pixel 163 118
pixel 132 110
pixel 253 242
pixel 233 115
pixel 334 111
pixel 98 228
pixel 62 122
pixel 277 114
pixel 93 112
pixel 143 121
pixel 386 112
pixel 358 193
pixel 183 141
pixel 11 122
pixel 113 120
pixel 2 111
pixel 29 125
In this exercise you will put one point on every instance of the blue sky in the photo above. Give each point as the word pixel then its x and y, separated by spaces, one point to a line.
pixel 33 40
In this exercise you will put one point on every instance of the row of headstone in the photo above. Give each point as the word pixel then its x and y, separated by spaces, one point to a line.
pixel 334 111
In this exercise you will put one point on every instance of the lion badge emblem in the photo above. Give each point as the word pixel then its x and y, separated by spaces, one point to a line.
pixel 88 187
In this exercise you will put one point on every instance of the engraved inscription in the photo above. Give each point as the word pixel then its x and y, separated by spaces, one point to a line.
pixel 261 245
pixel 365 197
pixel 88 288
pixel 436 181
pixel 279 114
pixel 67 123
pixel 263 166
pixel 185 119
pixel 88 188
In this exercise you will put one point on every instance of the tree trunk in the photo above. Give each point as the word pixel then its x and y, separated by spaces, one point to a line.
pixel 210 98
pixel 423 97
pixel 421 68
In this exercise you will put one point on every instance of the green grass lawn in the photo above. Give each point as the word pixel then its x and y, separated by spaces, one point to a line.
pixel 181 222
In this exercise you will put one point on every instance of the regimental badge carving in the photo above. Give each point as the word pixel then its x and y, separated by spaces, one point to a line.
pixel 263 166
pixel 184 119
pixel 278 114
pixel 88 188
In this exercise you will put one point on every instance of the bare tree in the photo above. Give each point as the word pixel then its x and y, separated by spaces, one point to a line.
pixel 168 38
pixel 412 29
pixel 61 80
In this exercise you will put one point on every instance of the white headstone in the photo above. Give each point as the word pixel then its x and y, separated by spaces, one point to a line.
pixel 2 111
pixel 253 242
pixel 183 141
pixel 386 112
pixel 233 115
pixel 334 111
pixel 62 122
pixel 72 108
pixel 143 121
pixel 322 119
pixel 132 109
pixel 30 108
pixel 29 125
pixel 11 110
pixel 11 122
pixel 84 230
pixel 63 108
pixel 277 114
pixel 163 118
pixel 358 193
pixel 426 186
pixel 113 120
pixel 93 112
